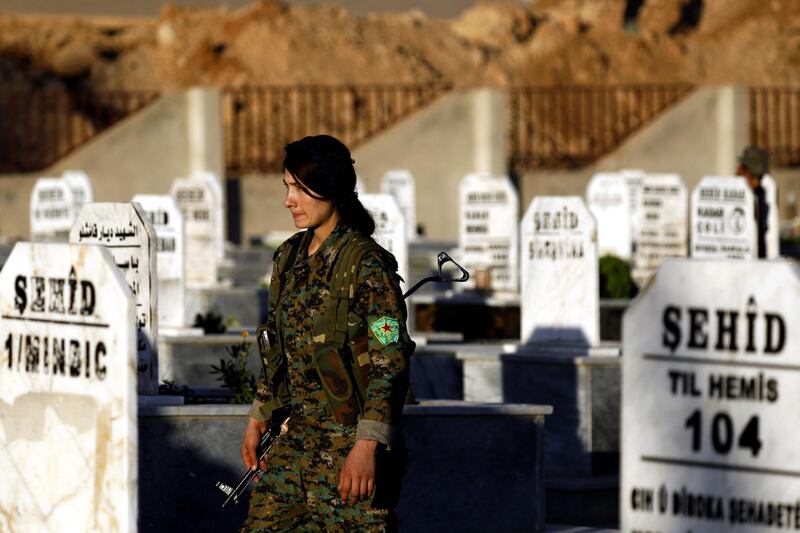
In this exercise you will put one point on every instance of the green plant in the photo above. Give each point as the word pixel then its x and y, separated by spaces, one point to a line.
pixel 169 388
pixel 615 278
pixel 234 374
pixel 210 322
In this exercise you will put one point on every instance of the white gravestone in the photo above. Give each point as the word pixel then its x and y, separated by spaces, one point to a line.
pixel 635 179
pixel 218 210
pixel 773 237
pixel 608 196
pixel 401 185
pixel 126 231
pixel 488 232
pixel 167 220
pixel 52 210
pixel 196 199
pixel 560 293
pixel 68 437
pixel 82 192
pixel 390 229
pixel 711 385
pixel 723 224
pixel 662 228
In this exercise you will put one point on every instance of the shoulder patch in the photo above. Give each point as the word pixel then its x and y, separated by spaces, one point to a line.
pixel 386 329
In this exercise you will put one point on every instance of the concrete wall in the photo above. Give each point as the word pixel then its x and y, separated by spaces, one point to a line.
pixel 702 135
pixel 175 136
pixel 465 131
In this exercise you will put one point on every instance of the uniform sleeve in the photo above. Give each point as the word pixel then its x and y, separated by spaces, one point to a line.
pixel 264 395
pixel 380 303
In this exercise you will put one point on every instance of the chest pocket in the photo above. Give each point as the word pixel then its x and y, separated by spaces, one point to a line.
pixel 341 357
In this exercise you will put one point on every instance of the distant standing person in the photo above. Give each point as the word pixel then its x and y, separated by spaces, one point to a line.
pixel 753 164
pixel 338 358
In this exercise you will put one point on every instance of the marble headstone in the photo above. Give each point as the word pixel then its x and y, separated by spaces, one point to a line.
pixel 68 437
pixel 662 229
pixel 773 237
pixel 488 232
pixel 711 385
pixel 635 178
pixel 126 231
pixel 218 210
pixel 167 220
pixel 401 185
pixel 52 210
pixel 82 192
pixel 196 199
pixel 560 293
pixel 723 224
pixel 390 229
pixel 608 196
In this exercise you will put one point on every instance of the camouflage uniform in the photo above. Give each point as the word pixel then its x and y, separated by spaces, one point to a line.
pixel 299 490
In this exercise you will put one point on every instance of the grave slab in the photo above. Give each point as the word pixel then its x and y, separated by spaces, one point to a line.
pixel 453 447
pixel 390 230
pixel 608 197
pixel 52 210
pixel 773 237
pixel 167 221
pixel 400 184
pixel 68 373
pixel 711 382
pixel 560 295
pixel 489 231
pixel 125 230
pixel 662 228
pixel 197 199
pixel 82 192
pixel 723 225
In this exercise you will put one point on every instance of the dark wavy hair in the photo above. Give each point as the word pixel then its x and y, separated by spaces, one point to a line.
pixel 323 167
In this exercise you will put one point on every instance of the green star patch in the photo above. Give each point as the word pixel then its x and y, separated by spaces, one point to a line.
pixel 386 329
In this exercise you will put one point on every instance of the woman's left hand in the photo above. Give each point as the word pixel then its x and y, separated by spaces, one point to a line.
pixel 357 480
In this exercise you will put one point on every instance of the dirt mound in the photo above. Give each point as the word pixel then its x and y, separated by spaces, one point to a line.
pixel 550 41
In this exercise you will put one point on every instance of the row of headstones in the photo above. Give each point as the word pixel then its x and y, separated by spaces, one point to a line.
pixel 80 339
pixel 639 217
pixel 192 212
pixel 709 372
pixel 643 217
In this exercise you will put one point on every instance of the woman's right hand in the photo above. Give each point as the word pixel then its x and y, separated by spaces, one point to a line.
pixel 252 436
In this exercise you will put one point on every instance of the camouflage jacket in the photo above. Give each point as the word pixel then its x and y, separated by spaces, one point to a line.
pixel 378 345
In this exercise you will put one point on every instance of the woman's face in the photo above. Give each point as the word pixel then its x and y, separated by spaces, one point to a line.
pixel 307 211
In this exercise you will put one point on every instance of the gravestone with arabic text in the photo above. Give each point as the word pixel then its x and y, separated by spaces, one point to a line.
pixel 68 432
pixel 126 231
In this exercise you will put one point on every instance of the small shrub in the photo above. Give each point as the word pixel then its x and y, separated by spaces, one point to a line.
pixel 210 322
pixel 615 278
pixel 234 374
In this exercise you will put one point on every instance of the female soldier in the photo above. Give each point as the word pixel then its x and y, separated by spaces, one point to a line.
pixel 338 357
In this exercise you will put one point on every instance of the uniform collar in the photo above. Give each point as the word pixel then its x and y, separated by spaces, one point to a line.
pixel 329 247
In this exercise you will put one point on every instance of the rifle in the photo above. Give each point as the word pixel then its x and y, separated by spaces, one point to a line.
pixel 278 423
